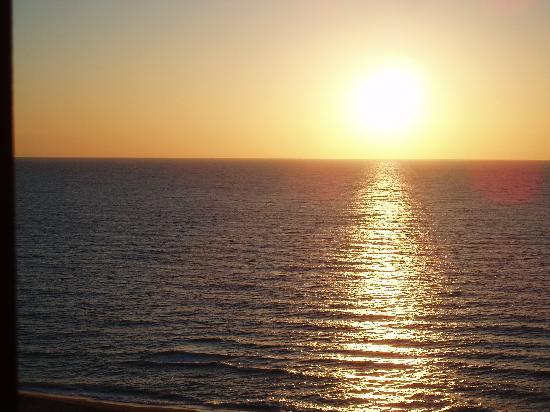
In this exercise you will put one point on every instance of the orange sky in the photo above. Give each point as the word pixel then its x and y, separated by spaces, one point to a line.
pixel 270 78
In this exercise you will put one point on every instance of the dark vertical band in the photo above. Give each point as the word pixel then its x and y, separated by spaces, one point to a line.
pixel 7 232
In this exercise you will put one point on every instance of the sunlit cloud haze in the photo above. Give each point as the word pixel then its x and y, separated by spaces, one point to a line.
pixel 134 78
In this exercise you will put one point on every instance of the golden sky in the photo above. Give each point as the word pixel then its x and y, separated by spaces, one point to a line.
pixel 261 78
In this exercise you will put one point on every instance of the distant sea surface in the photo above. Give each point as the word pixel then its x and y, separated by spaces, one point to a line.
pixel 286 285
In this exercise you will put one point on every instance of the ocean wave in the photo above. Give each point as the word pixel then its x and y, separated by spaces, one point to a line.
pixel 498 369
pixel 177 356
pixel 260 406
pixel 202 361
pixel 359 364
pixel 103 391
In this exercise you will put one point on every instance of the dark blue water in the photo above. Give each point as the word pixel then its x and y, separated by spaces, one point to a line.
pixel 286 285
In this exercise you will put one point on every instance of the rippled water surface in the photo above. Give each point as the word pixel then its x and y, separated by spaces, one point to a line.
pixel 286 285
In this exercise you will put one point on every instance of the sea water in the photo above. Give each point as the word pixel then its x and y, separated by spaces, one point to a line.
pixel 286 284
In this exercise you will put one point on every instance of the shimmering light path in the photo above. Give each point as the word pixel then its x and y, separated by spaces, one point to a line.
pixel 395 279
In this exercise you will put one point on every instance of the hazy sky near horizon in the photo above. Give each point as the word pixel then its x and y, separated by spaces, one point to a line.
pixel 138 78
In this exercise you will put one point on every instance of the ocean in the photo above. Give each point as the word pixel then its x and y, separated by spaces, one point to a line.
pixel 286 285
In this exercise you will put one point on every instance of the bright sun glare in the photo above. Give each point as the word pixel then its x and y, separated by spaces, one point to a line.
pixel 389 102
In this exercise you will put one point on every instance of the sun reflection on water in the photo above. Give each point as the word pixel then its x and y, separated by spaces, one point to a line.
pixel 393 287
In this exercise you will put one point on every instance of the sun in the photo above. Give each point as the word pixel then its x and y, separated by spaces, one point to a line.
pixel 389 102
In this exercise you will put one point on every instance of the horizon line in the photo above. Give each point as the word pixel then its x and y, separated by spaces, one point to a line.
pixel 278 158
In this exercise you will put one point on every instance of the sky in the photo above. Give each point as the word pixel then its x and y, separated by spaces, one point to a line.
pixel 276 78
